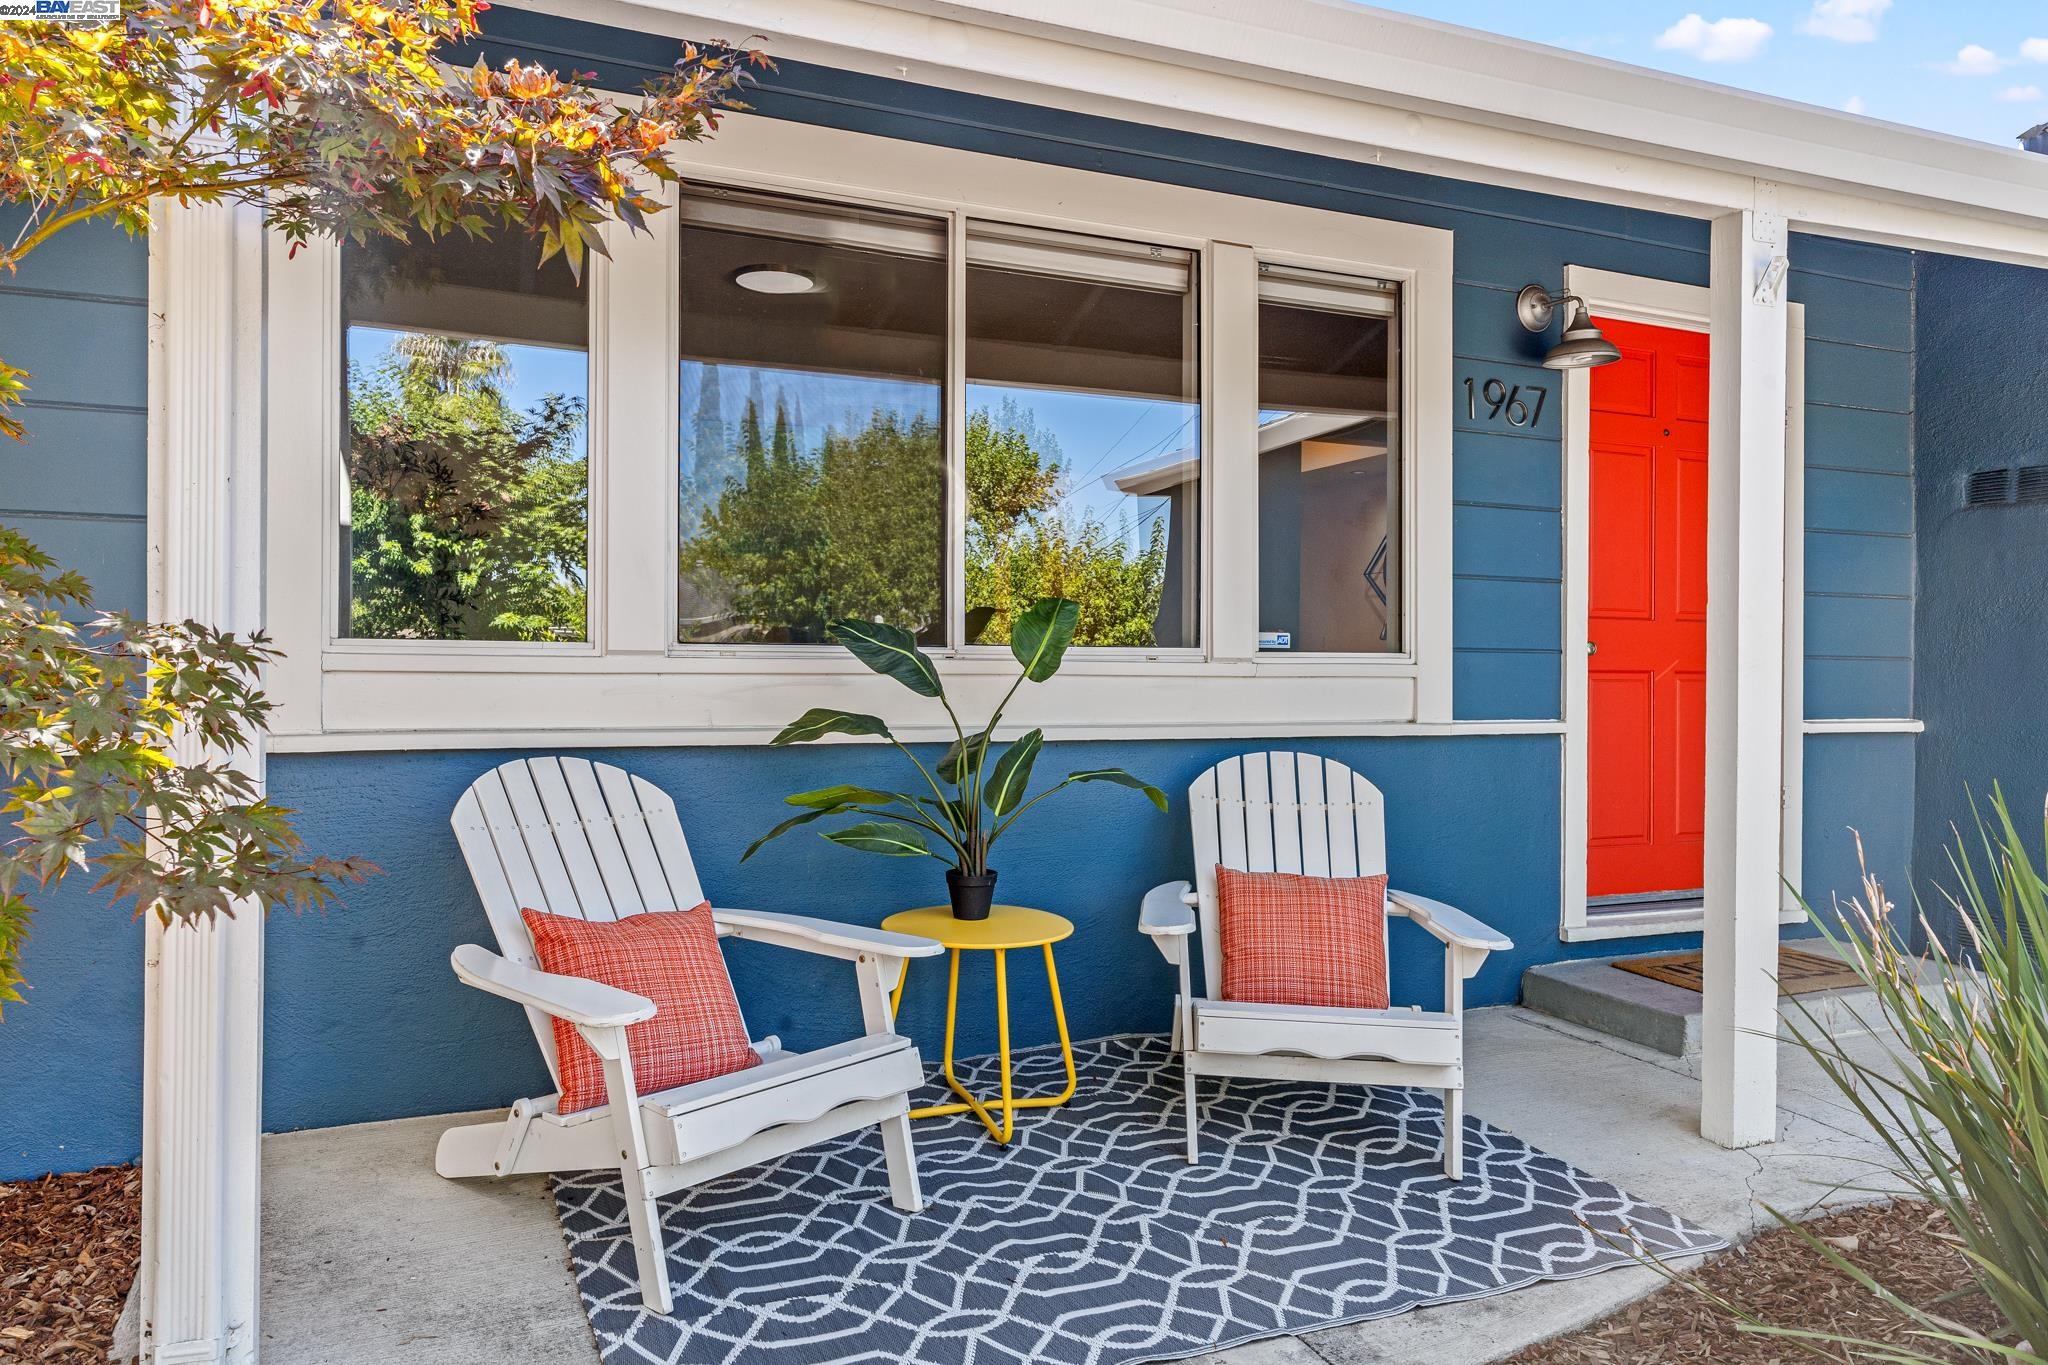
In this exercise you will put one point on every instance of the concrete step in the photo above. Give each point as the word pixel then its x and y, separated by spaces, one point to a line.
pixel 1593 993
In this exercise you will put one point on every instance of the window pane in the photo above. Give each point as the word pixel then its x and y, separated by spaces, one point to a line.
pixel 467 462
pixel 1083 435
pixel 811 451
pixel 1329 464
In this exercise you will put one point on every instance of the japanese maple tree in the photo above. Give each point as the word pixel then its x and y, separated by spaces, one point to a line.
pixel 340 118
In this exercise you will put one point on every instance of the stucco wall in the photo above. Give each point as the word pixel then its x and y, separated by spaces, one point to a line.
pixel 1983 676
pixel 71 1056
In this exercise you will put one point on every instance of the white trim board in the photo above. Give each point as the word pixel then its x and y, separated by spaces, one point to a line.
pixel 1894 725
pixel 1662 303
pixel 404 740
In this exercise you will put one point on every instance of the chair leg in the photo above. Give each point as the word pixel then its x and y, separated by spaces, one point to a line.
pixel 1454 1133
pixel 901 1157
pixel 644 1214
pixel 1187 1077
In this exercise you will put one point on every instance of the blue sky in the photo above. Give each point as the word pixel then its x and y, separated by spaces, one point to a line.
pixel 1966 67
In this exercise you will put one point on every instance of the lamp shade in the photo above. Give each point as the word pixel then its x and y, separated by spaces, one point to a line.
pixel 1582 346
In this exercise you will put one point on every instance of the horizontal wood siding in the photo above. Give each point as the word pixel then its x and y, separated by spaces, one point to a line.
pixel 75 317
pixel 1859 476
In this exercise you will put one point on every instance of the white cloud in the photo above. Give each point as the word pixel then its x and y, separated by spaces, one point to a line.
pixel 1723 40
pixel 2020 94
pixel 1975 60
pixel 2035 49
pixel 1845 21
pixel 1853 105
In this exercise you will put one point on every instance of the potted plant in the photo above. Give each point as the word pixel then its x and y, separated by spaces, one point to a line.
pixel 969 803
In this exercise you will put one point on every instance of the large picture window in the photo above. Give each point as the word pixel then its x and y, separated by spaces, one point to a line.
pixel 838 376
pixel 465 457
pixel 812 468
pixel 1330 550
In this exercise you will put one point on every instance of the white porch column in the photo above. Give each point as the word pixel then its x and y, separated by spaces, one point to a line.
pixel 203 1020
pixel 1745 675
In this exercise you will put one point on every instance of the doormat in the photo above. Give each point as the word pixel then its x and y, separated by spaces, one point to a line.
pixel 1090 1240
pixel 1799 972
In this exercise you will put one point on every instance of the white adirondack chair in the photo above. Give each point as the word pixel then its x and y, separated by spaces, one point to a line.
pixel 586 839
pixel 1284 812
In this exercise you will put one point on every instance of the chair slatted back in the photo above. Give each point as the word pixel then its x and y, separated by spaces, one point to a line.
pixel 1280 812
pixel 575 838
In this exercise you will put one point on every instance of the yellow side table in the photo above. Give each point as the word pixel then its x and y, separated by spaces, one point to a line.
pixel 1007 927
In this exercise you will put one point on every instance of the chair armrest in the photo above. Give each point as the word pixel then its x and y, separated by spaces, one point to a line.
pixel 1168 909
pixel 590 1004
pixel 1447 922
pixel 829 937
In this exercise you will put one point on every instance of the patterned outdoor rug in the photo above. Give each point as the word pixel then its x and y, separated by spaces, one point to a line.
pixel 1091 1239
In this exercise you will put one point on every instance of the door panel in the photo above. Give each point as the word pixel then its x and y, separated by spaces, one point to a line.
pixel 1619 724
pixel 1647 597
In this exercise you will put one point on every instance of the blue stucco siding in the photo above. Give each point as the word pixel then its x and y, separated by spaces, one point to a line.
pixel 366 1020
pixel 1983 606
pixel 74 317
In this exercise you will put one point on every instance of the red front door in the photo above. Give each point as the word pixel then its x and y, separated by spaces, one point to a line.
pixel 1646 685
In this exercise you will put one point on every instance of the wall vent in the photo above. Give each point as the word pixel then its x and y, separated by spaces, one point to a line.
pixel 1988 487
pixel 2032 484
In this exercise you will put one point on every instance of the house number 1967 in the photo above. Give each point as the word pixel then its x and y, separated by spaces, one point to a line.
pixel 1504 400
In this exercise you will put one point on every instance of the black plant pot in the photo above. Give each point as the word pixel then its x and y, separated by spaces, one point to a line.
pixel 971 895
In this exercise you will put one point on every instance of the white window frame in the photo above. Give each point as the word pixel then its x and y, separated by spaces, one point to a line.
pixel 631 683
pixel 1662 303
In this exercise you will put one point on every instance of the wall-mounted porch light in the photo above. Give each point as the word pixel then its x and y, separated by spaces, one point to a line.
pixel 1582 346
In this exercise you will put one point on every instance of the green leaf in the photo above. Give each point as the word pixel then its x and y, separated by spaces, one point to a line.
pixel 1042 633
pixel 891 651
pixel 880 836
pixel 962 757
pixel 820 721
pixel 1122 779
pixel 1013 773
pixel 787 825
pixel 844 795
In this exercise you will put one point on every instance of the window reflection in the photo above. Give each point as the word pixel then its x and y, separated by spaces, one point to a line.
pixel 1083 434
pixel 466 466
pixel 1329 464
pixel 811 450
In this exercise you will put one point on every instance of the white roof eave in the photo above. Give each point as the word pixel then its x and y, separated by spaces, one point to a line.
pixel 1349 80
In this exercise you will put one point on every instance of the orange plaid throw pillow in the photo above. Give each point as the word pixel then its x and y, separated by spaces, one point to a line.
pixel 1290 940
pixel 672 958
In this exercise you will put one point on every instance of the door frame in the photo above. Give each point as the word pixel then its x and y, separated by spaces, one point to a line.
pixel 1662 303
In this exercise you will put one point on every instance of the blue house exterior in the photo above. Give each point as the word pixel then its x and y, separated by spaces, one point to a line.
pixel 1915 608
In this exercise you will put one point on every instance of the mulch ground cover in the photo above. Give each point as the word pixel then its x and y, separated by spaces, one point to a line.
pixel 68 1251
pixel 1784 1281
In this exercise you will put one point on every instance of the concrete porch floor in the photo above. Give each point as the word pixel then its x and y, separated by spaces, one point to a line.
pixel 370 1258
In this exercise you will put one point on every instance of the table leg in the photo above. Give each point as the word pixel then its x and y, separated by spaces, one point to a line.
pixel 1059 1016
pixel 1008 1104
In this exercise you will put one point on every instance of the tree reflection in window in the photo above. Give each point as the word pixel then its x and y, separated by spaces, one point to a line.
pixel 466 454
pixel 812 470
pixel 1083 435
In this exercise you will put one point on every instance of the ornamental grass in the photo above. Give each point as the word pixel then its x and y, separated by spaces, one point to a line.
pixel 1958 1090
